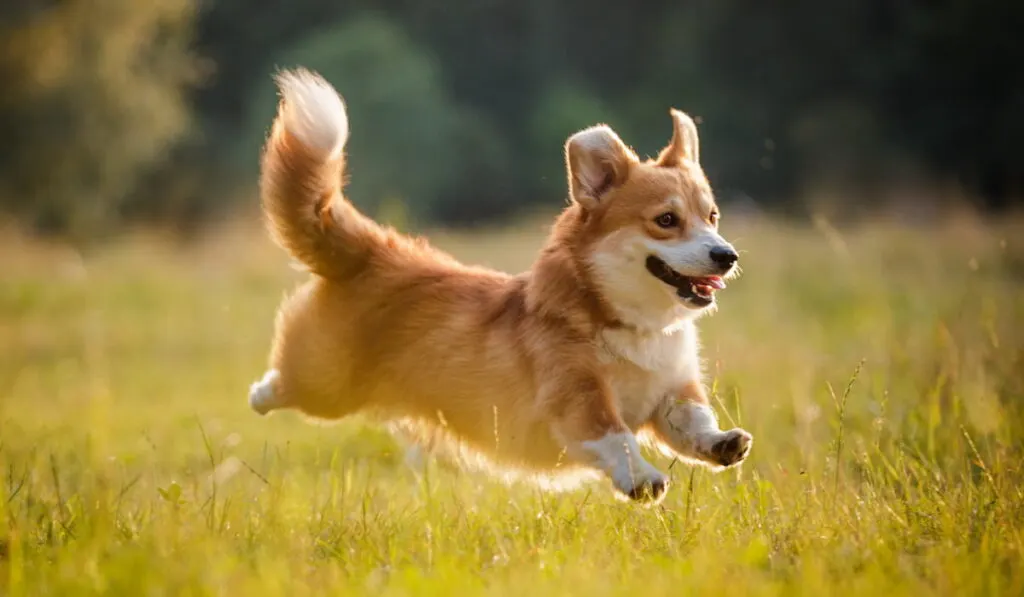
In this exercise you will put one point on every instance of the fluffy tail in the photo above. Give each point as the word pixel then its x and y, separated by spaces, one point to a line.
pixel 301 178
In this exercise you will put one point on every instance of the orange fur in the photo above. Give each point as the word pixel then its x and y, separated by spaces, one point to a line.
pixel 529 372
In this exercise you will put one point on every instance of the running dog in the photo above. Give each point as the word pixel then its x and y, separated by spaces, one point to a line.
pixel 558 373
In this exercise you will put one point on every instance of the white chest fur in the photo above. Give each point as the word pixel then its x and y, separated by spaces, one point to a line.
pixel 642 367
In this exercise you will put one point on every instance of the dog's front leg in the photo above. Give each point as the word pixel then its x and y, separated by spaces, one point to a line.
pixel 594 434
pixel 687 425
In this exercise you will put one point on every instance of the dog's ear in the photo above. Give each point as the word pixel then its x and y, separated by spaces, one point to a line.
pixel 685 144
pixel 597 161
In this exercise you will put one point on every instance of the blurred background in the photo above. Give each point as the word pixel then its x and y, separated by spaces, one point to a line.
pixel 867 156
pixel 122 112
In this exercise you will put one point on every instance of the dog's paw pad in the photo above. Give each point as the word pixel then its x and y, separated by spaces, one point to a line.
pixel 649 491
pixel 732 448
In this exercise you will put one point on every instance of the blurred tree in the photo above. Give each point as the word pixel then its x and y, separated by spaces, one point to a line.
pixel 403 125
pixel 792 97
pixel 561 110
pixel 953 92
pixel 484 185
pixel 94 94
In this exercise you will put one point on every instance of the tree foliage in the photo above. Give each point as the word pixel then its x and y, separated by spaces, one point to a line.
pixel 460 109
pixel 94 94
pixel 402 122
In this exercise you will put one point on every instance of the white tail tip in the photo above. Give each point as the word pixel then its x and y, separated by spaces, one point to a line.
pixel 313 111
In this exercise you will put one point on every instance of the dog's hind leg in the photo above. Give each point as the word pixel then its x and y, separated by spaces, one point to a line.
pixel 265 394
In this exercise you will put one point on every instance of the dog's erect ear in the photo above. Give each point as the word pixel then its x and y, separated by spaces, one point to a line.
pixel 597 161
pixel 685 144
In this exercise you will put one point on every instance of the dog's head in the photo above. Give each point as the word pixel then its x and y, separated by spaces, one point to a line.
pixel 651 235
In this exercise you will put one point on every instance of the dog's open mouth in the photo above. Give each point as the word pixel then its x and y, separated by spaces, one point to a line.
pixel 698 290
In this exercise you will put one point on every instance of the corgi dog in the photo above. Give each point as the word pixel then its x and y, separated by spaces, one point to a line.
pixel 559 373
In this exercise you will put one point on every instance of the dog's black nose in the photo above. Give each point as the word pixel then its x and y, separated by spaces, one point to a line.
pixel 724 256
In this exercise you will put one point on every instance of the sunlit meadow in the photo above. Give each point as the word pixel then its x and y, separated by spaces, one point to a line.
pixel 880 368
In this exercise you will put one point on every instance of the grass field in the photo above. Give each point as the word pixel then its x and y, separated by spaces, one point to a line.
pixel 880 369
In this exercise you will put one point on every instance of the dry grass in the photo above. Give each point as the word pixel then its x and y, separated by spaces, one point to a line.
pixel 131 464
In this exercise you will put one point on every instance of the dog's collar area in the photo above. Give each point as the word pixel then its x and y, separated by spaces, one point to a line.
pixel 686 287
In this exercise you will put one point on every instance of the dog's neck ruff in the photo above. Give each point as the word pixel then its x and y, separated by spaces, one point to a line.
pixel 651 350
pixel 644 322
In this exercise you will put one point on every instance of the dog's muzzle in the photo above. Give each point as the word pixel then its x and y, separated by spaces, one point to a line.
pixel 699 291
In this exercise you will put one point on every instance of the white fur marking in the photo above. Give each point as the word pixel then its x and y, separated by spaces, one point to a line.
pixel 702 426
pixel 643 367
pixel 619 455
pixel 262 395
pixel 313 111
pixel 671 354
pixel 637 297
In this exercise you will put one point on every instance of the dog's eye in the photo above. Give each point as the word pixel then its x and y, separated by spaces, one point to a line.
pixel 714 217
pixel 667 220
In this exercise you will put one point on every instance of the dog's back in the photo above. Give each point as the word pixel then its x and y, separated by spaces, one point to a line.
pixel 386 317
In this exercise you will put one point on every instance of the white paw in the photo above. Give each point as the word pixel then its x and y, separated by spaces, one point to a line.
pixel 263 393
pixel 619 455
pixel 646 484
pixel 727 448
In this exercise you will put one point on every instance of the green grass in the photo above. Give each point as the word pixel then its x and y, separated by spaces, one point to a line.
pixel 880 369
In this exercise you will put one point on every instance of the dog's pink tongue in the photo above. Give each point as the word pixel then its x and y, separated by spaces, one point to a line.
pixel 712 281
